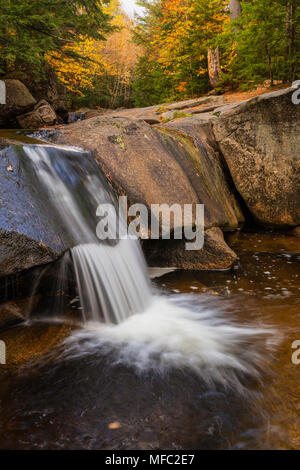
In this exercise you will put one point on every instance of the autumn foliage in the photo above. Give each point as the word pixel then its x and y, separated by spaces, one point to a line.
pixel 110 62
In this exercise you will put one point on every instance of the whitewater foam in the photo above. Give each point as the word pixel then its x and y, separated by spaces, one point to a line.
pixel 169 335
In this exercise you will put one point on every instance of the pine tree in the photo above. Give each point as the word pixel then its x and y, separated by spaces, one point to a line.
pixel 31 28
pixel 266 38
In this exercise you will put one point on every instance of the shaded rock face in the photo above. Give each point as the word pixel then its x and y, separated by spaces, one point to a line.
pixel 18 101
pixel 37 292
pixel 260 141
pixel 50 90
pixel 42 115
pixel 215 254
pixel 16 311
pixel 206 170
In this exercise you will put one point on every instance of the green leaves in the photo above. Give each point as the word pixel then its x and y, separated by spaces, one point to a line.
pixel 31 28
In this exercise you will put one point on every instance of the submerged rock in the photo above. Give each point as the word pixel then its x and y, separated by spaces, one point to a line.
pixel 260 141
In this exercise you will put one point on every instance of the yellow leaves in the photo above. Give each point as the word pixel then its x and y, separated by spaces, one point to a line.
pixel 201 71
pixel 116 56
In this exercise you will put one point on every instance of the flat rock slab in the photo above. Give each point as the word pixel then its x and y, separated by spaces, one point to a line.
pixel 169 111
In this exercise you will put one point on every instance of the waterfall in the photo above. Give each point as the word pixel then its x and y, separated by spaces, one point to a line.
pixel 122 317
pixel 111 275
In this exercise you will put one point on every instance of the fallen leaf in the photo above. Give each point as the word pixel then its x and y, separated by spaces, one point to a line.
pixel 10 168
pixel 115 425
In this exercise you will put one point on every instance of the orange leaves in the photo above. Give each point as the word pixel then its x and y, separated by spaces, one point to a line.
pixel 76 73
pixel 117 55
pixel 182 86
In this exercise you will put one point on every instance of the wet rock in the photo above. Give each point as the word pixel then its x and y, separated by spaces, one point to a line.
pixel 16 311
pixel 42 115
pixel 31 231
pixel 260 141
pixel 18 251
pixel 18 101
pixel 214 255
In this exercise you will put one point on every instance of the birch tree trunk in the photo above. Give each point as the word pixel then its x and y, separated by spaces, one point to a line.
pixel 235 9
pixel 214 69
pixel 290 30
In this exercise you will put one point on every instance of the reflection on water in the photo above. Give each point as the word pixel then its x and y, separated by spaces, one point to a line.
pixel 69 401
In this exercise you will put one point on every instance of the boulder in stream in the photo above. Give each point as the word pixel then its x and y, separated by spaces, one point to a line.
pixel 260 141
pixel 160 166
pixel 215 254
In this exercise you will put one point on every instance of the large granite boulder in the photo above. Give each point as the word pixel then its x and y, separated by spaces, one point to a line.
pixel 18 101
pixel 207 171
pixel 260 141
pixel 160 166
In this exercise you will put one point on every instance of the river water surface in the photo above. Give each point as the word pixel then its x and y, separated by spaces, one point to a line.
pixel 64 389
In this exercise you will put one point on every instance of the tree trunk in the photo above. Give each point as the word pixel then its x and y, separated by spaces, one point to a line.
pixel 290 30
pixel 235 13
pixel 214 69
pixel 270 66
pixel 235 9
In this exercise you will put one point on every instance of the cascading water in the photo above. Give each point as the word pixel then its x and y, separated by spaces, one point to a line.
pixel 111 276
pixel 141 329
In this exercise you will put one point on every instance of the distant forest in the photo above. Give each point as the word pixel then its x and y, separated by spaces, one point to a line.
pixel 177 49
